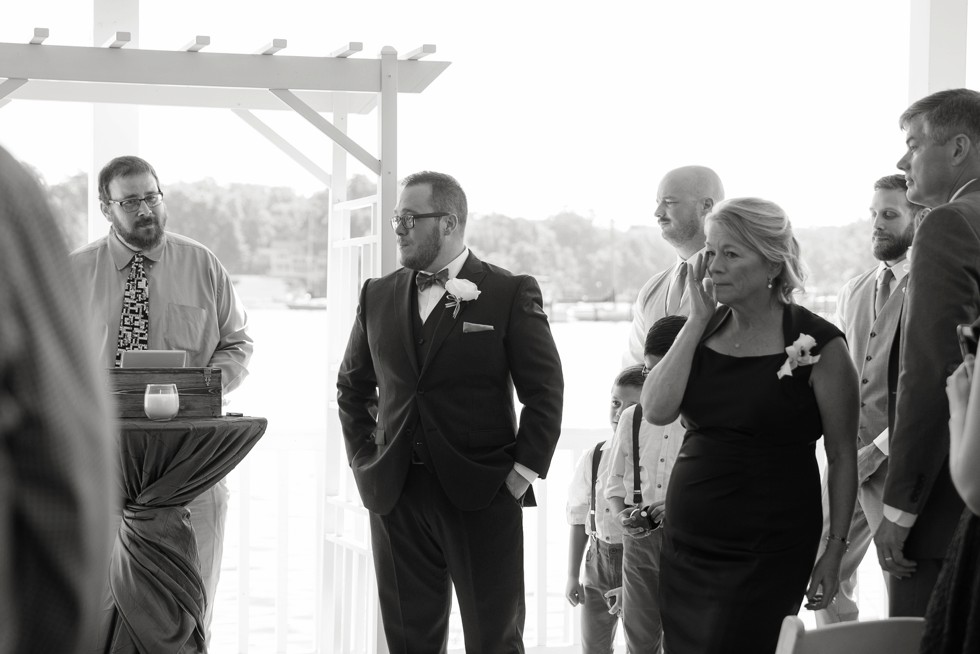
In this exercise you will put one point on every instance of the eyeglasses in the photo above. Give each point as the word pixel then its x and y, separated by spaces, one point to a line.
pixel 407 220
pixel 132 205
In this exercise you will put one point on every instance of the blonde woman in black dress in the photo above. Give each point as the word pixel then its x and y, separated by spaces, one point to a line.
pixel 757 379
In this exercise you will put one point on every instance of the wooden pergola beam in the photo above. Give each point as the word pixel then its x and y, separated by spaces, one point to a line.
pixel 219 70
pixel 189 96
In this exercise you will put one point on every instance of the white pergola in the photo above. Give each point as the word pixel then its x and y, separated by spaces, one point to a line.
pixel 117 77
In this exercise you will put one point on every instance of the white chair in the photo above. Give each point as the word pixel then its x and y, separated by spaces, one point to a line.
pixel 891 636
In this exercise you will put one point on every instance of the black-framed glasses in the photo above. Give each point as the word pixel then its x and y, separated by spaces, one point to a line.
pixel 132 205
pixel 407 220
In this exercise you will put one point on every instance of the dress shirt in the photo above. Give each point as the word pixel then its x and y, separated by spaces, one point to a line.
pixel 608 528
pixel 193 304
pixel 651 306
pixel 962 188
pixel 432 295
pixel 658 451
pixel 899 270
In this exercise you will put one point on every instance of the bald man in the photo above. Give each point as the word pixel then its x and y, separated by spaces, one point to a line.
pixel 685 196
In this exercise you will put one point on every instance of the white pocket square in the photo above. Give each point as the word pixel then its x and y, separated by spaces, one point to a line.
pixel 472 327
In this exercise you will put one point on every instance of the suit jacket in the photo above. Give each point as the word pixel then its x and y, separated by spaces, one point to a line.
pixel 870 339
pixel 943 291
pixel 461 396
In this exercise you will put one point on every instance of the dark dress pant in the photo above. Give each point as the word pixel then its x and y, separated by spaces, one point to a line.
pixel 426 546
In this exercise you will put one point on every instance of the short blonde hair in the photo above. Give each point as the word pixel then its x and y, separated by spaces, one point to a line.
pixel 762 226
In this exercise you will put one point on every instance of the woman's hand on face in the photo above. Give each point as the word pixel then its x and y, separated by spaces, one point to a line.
pixel 701 290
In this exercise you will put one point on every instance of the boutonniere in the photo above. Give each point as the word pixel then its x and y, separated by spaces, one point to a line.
pixel 798 354
pixel 460 290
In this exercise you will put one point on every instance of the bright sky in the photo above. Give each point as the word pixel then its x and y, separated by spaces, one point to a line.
pixel 548 104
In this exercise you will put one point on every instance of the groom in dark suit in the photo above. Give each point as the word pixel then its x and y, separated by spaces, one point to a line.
pixel 921 507
pixel 426 398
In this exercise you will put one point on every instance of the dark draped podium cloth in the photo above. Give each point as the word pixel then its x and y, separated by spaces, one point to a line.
pixel 153 575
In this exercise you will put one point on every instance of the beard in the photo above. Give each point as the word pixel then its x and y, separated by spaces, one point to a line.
pixel 677 233
pixel 893 248
pixel 146 232
pixel 426 251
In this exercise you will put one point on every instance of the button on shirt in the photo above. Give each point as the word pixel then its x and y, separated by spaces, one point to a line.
pixel 193 304
pixel 608 528
pixel 658 451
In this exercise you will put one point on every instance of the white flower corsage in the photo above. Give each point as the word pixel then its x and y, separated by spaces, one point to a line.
pixel 798 354
pixel 460 290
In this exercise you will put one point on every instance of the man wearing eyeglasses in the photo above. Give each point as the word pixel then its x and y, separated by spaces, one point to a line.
pixel 147 288
pixel 426 399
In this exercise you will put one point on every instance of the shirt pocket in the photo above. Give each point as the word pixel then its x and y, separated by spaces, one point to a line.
pixel 185 329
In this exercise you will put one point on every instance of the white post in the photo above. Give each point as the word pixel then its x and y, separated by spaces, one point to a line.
pixel 937 46
pixel 115 128
pixel 388 146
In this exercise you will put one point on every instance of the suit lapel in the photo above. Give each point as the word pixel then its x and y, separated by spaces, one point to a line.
pixel 472 270
pixel 402 301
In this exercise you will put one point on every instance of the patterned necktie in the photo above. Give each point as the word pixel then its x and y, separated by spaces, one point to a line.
pixel 884 290
pixel 675 292
pixel 425 280
pixel 134 322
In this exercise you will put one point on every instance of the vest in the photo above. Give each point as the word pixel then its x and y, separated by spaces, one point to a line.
pixel 870 340
pixel 422 335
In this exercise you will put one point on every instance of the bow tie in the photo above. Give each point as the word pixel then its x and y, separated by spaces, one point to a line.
pixel 425 280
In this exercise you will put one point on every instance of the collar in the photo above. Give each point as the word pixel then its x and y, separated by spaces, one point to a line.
pixel 691 259
pixel 456 264
pixel 900 269
pixel 122 253
pixel 961 189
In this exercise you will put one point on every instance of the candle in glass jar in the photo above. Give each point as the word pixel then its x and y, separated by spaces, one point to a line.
pixel 161 402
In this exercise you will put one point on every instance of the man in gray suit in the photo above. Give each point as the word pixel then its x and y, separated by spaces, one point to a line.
pixel 869 309
pixel 921 507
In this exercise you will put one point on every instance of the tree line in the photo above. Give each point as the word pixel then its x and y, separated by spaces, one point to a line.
pixel 576 257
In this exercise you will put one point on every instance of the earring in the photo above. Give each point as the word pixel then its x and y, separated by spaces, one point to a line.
pixel 768 282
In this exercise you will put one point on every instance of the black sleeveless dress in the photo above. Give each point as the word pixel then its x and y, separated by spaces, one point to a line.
pixel 743 512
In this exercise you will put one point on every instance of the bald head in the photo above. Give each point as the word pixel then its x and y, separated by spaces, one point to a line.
pixel 686 195
pixel 700 181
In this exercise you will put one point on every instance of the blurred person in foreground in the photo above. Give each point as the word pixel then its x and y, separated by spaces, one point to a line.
pixel 869 310
pixel 757 381
pixel 147 288
pixel 685 196
pixel 426 399
pixel 953 615
pixel 921 506
pixel 596 530
pixel 57 481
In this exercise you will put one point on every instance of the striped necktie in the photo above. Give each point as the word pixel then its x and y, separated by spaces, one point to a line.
pixel 134 322
pixel 884 290
pixel 675 291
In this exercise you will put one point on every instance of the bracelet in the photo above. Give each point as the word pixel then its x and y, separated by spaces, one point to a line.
pixel 834 537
